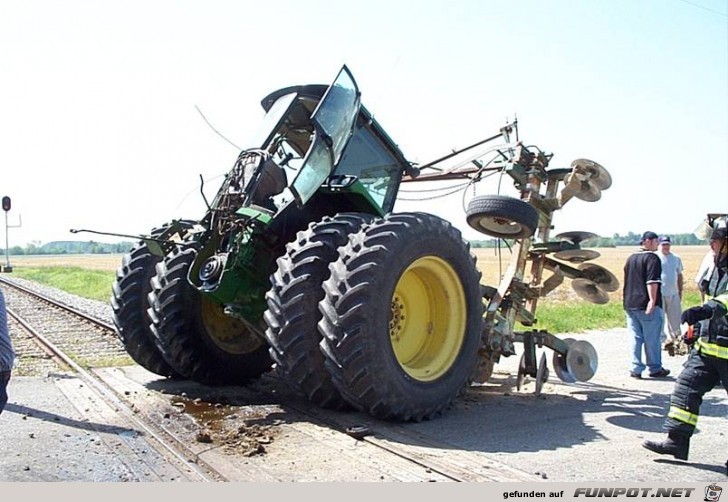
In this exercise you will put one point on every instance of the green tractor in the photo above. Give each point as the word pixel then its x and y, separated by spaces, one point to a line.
pixel 300 264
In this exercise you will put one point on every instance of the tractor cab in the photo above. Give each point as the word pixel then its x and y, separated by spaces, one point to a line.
pixel 321 146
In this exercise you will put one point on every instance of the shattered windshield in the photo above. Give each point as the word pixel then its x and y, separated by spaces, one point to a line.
pixel 334 119
pixel 337 112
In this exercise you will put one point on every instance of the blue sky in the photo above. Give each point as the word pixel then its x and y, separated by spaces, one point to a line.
pixel 99 127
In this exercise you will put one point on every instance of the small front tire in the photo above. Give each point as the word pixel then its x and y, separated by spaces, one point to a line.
pixel 502 216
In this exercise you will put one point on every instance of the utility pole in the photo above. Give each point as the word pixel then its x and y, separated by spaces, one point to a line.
pixel 6 207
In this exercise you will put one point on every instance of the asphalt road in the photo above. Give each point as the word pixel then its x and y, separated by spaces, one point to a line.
pixel 590 431
pixel 55 429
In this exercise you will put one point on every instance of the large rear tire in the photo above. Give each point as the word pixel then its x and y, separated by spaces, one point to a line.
pixel 129 306
pixel 293 315
pixel 402 317
pixel 195 336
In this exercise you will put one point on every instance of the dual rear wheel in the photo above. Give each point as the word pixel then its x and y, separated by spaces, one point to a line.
pixel 398 320
pixel 194 334
pixel 293 314
pixel 172 330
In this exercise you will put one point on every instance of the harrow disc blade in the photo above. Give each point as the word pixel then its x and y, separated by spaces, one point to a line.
pixel 703 231
pixel 576 237
pixel 559 362
pixel 603 278
pixel 582 360
pixel 589 291
pixel 521 376
pixel 583 189
pixel 542 374
pixel 576 255
pixel 588 192
pixel 586 169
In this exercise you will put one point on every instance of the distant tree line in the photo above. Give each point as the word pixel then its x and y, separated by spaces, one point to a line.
pixel 70 247
pixel 631 239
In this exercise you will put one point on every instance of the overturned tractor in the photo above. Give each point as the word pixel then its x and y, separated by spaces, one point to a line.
pixel 300 263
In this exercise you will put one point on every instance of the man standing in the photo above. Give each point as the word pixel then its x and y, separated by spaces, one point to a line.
pixel 7 356
pixel 642 301
pixel 707 364
pixel 672 289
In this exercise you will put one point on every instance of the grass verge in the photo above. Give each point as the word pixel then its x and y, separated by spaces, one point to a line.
pixel 92 284
pixel 579 317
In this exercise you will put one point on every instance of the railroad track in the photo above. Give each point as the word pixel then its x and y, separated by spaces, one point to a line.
pixel 49 330
pixel 69 330
pixel 191 425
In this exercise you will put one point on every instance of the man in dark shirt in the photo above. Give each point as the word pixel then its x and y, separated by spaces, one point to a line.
pixel 642 301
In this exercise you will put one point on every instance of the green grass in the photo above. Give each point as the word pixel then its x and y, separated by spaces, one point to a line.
pixel 577 317
pixel 581 316
pixel 92 284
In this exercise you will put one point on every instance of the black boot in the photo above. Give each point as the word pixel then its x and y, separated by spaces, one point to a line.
pixel 676 445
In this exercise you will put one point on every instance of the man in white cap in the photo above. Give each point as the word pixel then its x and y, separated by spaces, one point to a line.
pixel 672 290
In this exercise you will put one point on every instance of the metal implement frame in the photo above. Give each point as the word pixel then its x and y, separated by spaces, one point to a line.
pixel 516 298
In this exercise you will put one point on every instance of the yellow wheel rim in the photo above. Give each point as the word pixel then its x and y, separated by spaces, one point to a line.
pixel 427 319
pixel 228 333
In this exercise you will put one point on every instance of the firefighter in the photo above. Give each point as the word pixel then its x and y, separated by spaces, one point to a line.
pixel 707 364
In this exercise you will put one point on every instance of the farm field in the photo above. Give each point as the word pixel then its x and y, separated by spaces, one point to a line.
pixel 105 262
pixel 610 258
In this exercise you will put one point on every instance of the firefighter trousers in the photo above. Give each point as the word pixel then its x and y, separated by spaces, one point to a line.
pixel 700 374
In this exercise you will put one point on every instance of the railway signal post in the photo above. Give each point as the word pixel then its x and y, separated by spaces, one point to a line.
pixel 6 203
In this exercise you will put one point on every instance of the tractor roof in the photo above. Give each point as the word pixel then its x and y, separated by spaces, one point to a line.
pixel 316 92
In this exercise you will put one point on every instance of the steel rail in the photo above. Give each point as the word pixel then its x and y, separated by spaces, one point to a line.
pixel 63 306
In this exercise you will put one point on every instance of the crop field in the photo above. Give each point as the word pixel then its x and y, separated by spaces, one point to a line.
pixel 105 262
pixel 610 258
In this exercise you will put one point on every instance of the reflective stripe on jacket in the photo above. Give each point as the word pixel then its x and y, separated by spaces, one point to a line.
pixel 713 339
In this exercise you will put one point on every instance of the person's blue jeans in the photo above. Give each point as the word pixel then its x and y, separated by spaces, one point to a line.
pixel 645 331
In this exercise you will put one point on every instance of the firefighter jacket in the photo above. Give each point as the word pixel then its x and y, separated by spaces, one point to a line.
pixel 707 364
pixel 713 339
